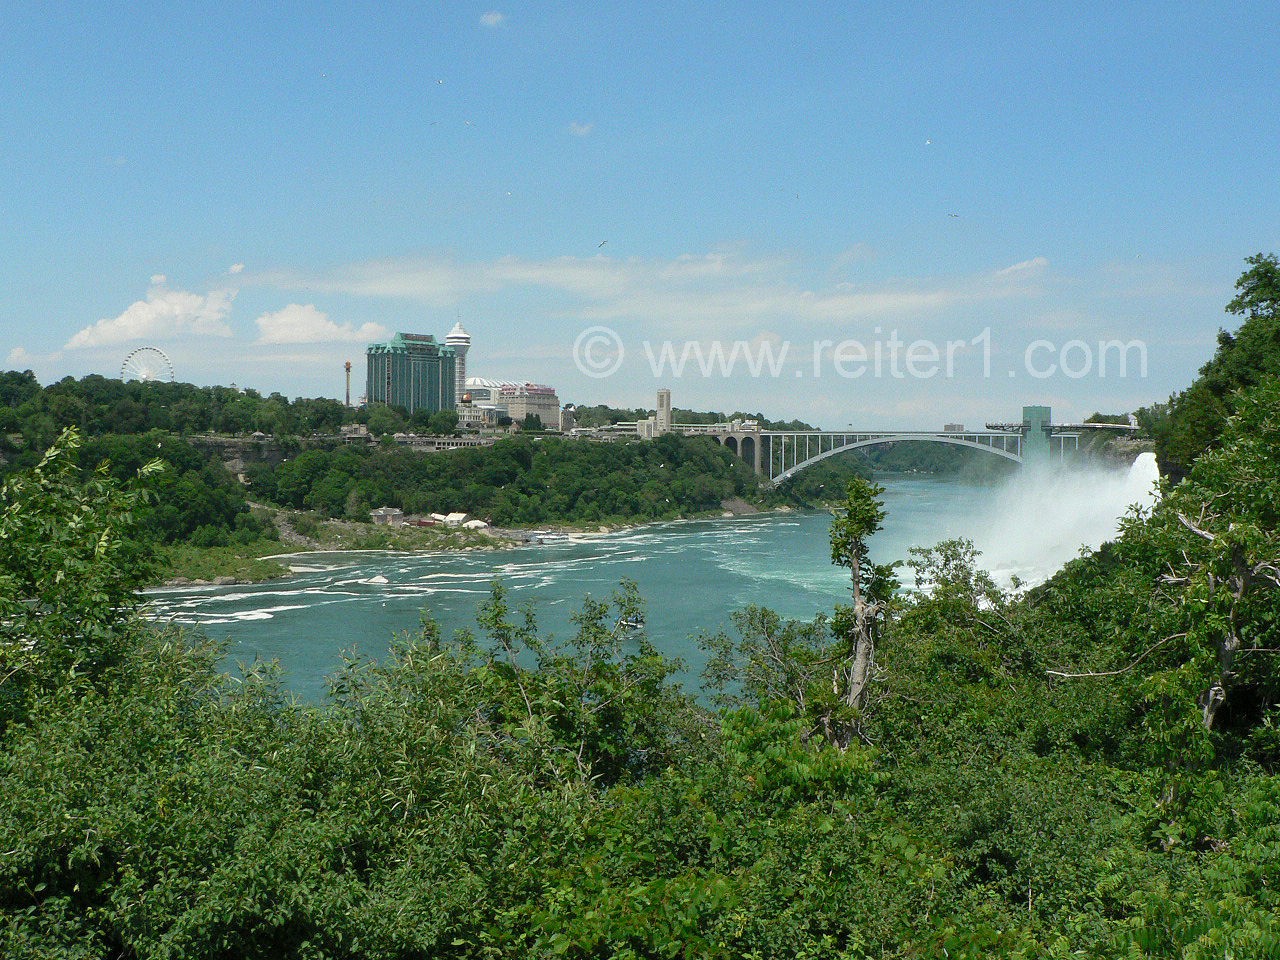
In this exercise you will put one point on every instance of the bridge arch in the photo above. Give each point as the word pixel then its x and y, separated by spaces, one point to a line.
pixel 893 438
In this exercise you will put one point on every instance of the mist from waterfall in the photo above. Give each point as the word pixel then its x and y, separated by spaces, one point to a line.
pixel 1044 516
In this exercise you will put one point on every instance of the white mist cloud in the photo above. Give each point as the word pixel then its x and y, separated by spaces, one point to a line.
pixel 493 19
pixel 303 323
pixel 19 359
pixel 164 315
pixel 581 129
pixel 235 268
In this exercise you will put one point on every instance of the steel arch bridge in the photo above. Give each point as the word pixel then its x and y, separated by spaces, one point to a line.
pixel 779 455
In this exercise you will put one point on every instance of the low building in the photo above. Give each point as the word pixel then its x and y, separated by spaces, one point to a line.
pixel 387 516
pixel 516 400
pixel 531 399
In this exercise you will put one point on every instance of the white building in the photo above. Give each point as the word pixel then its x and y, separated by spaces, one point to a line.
pixel 516 400
pixel 460 340
pixel 531 399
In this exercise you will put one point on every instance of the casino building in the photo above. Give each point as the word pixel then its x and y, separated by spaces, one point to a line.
pixel 413 371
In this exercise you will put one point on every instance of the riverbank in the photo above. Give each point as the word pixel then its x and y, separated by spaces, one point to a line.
pixel 302 532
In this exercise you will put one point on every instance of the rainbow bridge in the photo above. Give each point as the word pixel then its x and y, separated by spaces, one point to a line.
pixel 780 454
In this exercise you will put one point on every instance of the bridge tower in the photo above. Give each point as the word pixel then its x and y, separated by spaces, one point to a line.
pixel 1035 433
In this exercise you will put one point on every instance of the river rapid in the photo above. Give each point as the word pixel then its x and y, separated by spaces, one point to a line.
pixel 692 574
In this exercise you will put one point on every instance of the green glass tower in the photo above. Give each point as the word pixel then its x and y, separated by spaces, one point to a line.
pixel 412 371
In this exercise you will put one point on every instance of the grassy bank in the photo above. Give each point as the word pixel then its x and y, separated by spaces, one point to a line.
pixel 300 532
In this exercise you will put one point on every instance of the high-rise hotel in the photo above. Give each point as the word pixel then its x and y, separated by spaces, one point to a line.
pixel 413 371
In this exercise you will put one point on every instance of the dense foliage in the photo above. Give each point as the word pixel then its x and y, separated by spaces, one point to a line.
pixel 1192 420
pixel 518 480
pixel 96 405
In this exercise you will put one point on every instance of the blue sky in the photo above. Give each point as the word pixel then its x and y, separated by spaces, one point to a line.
pixel 260 191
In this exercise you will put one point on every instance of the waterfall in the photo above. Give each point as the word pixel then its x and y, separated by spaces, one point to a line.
pixel 1045 516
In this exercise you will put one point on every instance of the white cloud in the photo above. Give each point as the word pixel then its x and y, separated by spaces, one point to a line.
pixel 1034 265
pixel 714 293
pixel 235 268
pixel 493 19
pixel 581 129
pixel 303 323
pixel 19 359
pixel 164 315
pixel 158 279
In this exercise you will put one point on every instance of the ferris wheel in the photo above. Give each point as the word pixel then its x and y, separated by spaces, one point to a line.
pixel 147 363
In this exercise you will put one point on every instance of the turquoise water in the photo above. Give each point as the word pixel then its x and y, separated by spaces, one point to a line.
pixel 692 574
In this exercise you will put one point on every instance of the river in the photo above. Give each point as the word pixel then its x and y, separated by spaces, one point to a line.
pixel 692 574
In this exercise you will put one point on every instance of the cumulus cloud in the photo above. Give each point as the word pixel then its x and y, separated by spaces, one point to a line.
pixel 235 268
pixel 581 129
pixel 493 19
pixel 19 359
pixel 303 323
pixel 164 315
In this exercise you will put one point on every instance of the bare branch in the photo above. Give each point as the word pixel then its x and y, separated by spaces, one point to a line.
pixel 1116 673
pixel 1196 530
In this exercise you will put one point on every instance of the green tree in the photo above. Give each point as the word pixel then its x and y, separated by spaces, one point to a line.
pixel 1195 417
pixel 859 626
pixel 443 422
pixel 385 420
pixel 71 563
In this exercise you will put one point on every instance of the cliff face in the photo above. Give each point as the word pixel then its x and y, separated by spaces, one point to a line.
pixel 1122 450
pixel 238 452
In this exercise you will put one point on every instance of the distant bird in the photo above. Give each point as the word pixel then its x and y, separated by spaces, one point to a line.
pixel 601 244
pixel 439 81
pixel 927 142
pixel 954 216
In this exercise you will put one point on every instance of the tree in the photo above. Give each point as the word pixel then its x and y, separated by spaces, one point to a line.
pixel 443 422
pixel 1196 416
pixel 71 564
pixel 861 515
pixel 385 420
pixel 820 669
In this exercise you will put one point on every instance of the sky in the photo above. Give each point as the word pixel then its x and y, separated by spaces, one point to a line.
pixel 259 190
